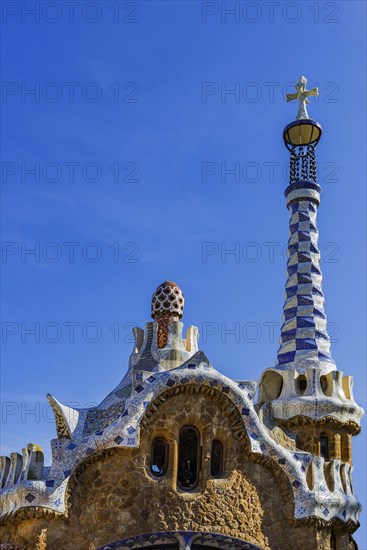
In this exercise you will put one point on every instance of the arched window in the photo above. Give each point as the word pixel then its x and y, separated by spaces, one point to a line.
pixel 324 385
pixel 301 384
pixel 216 459
pixel 159 462
pixel 188 458
pixel 271 386
pixel 332 541
pixel 324 446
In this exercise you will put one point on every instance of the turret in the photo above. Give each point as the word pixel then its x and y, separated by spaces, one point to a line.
pixel 305 393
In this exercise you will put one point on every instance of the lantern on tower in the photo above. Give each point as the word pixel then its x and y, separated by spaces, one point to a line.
pixel 302 136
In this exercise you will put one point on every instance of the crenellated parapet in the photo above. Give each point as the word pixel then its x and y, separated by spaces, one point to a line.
pixel 148 356
pixel 21 468
pixel 312 395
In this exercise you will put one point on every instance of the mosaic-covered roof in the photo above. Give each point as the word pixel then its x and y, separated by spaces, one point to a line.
pixel 115 423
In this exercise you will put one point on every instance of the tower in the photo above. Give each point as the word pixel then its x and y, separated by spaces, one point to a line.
pixel 305 394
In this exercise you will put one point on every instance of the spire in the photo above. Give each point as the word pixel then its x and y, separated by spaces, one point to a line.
pixel 304 390
pixel 304 341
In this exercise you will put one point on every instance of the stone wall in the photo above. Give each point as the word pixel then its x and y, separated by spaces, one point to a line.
pixel 340 441
pixel 116 496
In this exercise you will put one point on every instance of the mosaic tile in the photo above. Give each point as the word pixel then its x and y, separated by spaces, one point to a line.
pixel 303 340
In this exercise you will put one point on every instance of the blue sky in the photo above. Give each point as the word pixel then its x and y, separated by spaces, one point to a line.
pixel 131 132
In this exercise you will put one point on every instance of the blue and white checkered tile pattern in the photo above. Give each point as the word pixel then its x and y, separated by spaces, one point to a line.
pixel 304 341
